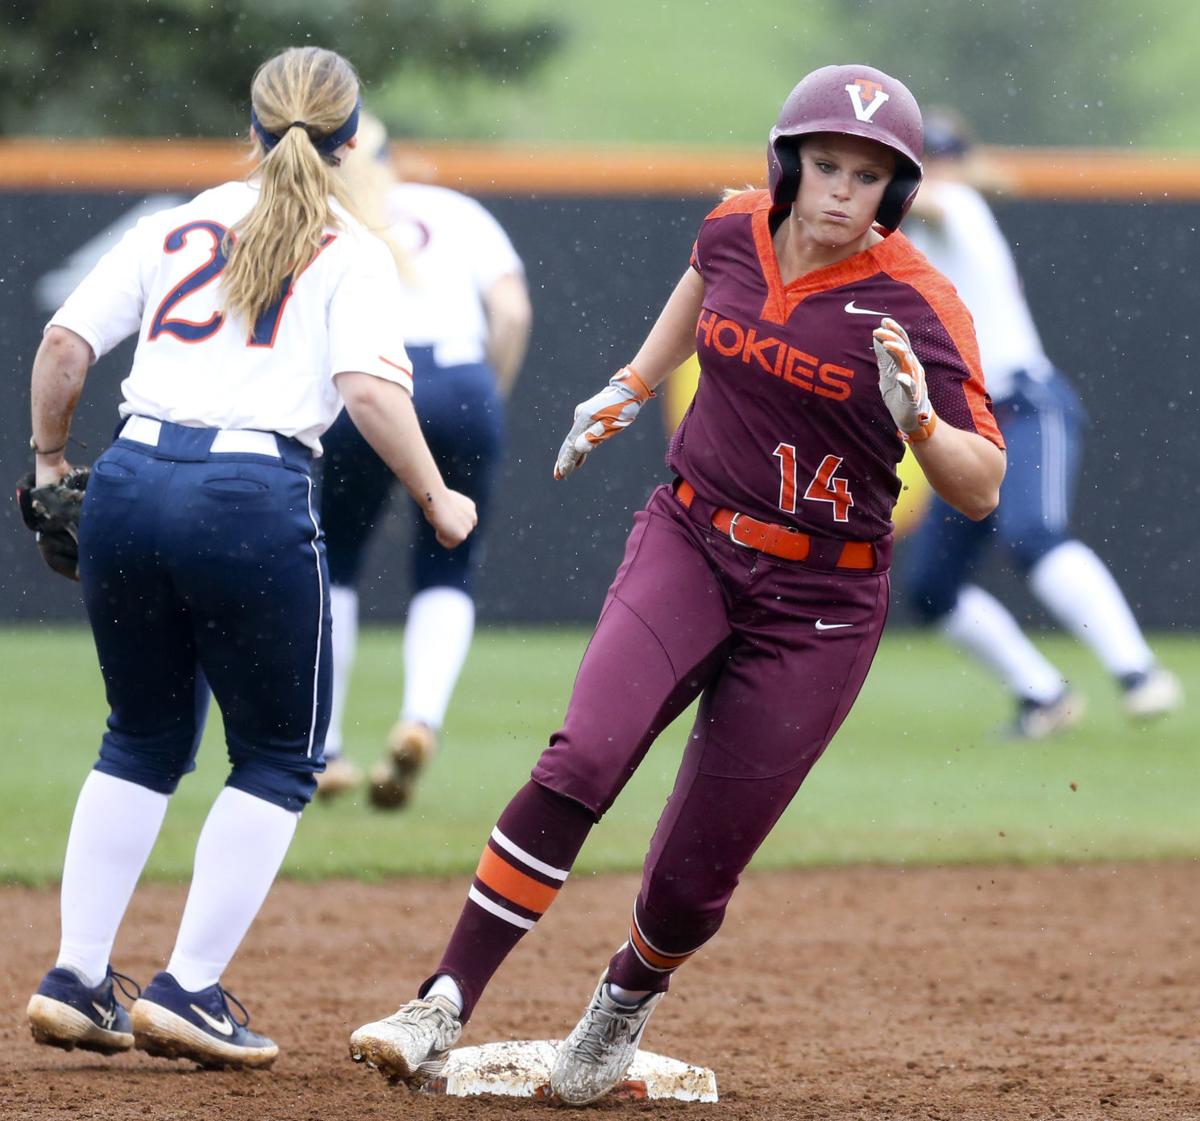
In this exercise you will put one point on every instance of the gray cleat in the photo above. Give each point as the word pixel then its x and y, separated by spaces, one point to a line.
pixel 596 1055
pixel 411 1045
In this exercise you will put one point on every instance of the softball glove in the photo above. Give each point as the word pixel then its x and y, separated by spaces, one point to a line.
pixel 52 512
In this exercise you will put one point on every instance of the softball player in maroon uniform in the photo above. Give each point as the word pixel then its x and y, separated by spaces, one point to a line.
pixel 757 580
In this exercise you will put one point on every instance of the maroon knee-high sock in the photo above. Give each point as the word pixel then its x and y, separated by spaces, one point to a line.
pixel 524 864
pixel 654 950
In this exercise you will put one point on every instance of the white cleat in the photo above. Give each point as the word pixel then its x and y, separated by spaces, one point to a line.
pixel 340 776
pixel 411 1045
pixel 1040 721
pixel 597 1054
pixel 411 747
pixel 1158 693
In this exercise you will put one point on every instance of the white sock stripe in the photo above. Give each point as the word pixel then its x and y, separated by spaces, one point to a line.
pixel 681 958
pixel 642 936
pixel 527 858
pixel 480 900
pixel 649 965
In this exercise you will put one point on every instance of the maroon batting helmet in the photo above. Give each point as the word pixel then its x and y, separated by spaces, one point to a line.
pixel 854 101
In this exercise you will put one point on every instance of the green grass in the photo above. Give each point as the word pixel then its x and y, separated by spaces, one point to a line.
pixel 917 774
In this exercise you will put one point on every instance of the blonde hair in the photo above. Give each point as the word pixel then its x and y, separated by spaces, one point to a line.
pixel 317 91
pixel 369 178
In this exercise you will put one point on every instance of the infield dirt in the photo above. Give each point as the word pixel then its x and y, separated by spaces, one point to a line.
pixel 860 993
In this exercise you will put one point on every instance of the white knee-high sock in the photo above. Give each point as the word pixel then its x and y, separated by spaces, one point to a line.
pixel 343 606
pixel 985 628
pixel 241 847
pixel 113 830
pixel 1078 589
pixel 437 637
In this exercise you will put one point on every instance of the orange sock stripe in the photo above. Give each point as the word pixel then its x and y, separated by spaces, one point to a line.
pixel 514 885
pixel 651 956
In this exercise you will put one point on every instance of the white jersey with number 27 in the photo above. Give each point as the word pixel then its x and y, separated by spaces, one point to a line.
pixel 197 365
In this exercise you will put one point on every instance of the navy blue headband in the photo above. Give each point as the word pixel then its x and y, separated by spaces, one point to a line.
pixel 327 145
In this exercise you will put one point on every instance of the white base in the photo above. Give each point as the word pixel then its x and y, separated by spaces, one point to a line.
pixel 521 1069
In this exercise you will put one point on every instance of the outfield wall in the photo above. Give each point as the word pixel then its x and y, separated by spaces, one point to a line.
pixel 1107 245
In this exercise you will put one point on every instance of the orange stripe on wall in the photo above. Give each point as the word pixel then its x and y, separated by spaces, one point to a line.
pixel 154 164
pixel 514 885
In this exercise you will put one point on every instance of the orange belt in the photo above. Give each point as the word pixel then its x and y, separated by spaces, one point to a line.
pixel 775 540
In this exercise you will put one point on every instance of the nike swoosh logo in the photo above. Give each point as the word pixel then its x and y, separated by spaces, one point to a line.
pixel 224 1025
pixel 824 626
pixel 850 309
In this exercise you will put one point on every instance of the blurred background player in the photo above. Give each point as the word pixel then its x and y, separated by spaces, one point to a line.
pixel 757 581
pixel 200 553
pixel 1041 419
pixel 465 317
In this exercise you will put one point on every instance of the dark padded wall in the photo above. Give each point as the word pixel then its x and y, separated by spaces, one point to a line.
pixel 1113 287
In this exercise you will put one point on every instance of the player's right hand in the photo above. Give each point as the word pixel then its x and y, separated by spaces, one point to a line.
pixel 452 516
pixel 598 418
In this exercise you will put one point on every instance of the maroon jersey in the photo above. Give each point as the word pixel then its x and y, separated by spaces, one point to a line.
pixel 788 424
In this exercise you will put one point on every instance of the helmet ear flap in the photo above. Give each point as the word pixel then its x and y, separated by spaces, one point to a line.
pixel 898 195
pixel 787 152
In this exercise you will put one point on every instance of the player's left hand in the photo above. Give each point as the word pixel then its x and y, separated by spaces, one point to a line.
pixel 599 418
pixel 52 512
pixel 902 381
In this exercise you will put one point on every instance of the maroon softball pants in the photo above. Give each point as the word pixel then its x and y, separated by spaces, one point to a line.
pixel 777 651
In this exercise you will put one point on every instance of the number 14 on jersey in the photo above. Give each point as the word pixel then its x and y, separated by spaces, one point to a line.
pixel 825 486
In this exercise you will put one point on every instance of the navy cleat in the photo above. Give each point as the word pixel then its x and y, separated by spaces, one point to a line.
pixel 65 1013
pixel 170 1022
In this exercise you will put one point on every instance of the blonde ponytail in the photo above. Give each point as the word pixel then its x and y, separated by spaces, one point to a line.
pixel 300 96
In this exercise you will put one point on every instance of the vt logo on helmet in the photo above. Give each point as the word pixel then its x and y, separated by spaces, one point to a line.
pixel 850 100
pixel 874 90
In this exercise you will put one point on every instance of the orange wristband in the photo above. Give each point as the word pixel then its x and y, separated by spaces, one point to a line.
pixel 922 433
pixel 634 380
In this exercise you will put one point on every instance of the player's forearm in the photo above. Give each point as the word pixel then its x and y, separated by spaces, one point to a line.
pixel 59 370
pixel 383 412
pixel 510 318
pixel 672 339
pixel 964 468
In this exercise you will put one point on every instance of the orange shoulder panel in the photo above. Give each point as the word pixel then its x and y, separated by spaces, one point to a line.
pixel 908 265
pixel 744 202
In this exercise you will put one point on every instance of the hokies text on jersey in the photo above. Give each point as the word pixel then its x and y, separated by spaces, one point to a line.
pixel 733 339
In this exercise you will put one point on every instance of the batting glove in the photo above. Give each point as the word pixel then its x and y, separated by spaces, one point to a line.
pixel 615 407
pixel 902 382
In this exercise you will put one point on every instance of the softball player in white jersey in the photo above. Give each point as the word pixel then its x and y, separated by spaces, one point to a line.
pixel 260 307
pixel 465 315
pixel 1042 420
